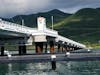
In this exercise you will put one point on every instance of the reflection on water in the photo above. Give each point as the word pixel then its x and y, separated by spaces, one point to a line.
pixel 63 68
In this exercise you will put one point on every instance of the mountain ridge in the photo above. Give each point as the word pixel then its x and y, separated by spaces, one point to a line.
pixel 83 26
pixel 31 19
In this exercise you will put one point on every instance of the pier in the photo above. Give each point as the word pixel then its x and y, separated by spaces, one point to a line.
pixel 47 57
pixel 41 36
pixel 45 41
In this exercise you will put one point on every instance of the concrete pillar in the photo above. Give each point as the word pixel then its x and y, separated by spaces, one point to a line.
pixel 68 48
pixel 53 63
pixel 77 48
pixel 59 47
pixel 2 50
pixel 73 49
pixel 64 48
pixel 24 49
pixel 51 47
pixel 39 47
pixel 20 50
pixel 46 45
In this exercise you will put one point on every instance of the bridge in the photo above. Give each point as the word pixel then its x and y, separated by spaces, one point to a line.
pixel 41 36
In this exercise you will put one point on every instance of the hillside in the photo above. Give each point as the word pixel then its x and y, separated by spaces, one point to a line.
pixel 31 20
pixel 83 26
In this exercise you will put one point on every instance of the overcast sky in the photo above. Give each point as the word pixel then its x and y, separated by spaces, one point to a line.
pixel 10 8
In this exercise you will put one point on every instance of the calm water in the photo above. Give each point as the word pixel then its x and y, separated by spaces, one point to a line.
pixel 44 68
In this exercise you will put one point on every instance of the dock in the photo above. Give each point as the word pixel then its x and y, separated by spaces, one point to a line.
pixel 47 57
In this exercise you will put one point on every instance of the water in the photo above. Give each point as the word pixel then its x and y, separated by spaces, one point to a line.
pixel 44 68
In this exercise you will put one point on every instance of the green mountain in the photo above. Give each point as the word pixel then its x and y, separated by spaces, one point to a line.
pixel 31 20
pixel 83 26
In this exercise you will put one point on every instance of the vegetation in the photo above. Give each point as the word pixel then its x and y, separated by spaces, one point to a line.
pixel 83 26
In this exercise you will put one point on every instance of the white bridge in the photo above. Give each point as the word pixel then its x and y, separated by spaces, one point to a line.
pixel 41 35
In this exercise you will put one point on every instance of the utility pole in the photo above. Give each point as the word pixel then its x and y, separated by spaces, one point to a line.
pixel 52 21
pixel 22 22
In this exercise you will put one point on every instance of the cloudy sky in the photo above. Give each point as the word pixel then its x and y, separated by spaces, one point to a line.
pixel 10 8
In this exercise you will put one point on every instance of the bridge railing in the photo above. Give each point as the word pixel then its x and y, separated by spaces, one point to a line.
pixel 23 29
pixel 70 41
pixel 16 27
pixel 51 31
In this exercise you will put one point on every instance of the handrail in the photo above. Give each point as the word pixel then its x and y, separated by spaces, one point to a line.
pixel 70 41
pixel 14 24
pixel 16 27
pixel 51 31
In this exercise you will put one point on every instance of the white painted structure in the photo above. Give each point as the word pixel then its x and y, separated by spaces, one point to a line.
pixel 39 33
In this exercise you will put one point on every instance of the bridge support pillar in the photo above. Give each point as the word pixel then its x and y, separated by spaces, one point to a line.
pixel 51 47
pixel 2 50
pixel 64 48
pixel 20 52
pixel 76 48
pixel 46 47
pixel 73 48
pixel 59 47
pixel 22 49
pixel 70 48
pixel 39 47
pixel 67 49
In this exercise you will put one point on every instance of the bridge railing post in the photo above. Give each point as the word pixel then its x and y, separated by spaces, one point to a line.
pixel 2 50
pixel 52 47
pixel 59 47
pixel 53 62
pixel 46 47
pixel 22 48
pixel 39 47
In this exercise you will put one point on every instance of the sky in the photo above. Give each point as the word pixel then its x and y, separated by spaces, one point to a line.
pixel 10 8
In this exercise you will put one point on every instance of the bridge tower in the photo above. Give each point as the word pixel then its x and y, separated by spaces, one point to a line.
pixel 41 39
pixel 41 23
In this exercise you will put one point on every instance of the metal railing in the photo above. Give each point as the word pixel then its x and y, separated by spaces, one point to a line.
pixel 70 41
pixel 19 28
pixel 16 27
pixel 51 31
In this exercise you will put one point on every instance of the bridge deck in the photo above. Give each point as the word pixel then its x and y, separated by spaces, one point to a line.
pixel 47 57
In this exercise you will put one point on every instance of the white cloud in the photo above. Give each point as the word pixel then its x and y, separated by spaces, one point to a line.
pixel 12 7
pixel 15 7
pixel 70 6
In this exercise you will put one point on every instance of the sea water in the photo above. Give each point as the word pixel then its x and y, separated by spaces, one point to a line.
pixel 44 68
